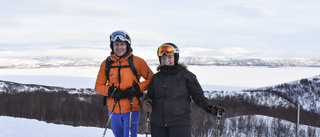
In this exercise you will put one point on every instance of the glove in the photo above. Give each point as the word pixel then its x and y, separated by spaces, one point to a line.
pixel 214 109
pixel 147 105
pixel 132 91
pixel 111 91
pixel 118 94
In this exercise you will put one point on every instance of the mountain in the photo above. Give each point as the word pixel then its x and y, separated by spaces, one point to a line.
pixel 13 87
pixel 48 62
pixel 278 101
pixel 306 92
pixel 269 62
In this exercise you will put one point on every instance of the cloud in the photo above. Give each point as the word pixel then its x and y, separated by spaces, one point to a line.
pixel 70 53
pixel 248 11
pixel 42 39
pixel 254 27
pixel 62 7
pixel 236 52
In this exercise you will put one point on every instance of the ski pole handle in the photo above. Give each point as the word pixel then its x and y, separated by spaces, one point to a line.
pixel 218 113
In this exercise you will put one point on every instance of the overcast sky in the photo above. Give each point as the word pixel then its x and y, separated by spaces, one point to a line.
pixel 218 28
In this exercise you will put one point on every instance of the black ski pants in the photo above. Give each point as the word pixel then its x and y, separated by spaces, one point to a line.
pixel 172 131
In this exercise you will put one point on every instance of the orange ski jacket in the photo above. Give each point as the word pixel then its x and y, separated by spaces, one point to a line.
pixel 127 79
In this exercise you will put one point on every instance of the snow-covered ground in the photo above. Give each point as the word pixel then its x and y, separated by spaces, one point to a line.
pixel 210 77
pixel 22 127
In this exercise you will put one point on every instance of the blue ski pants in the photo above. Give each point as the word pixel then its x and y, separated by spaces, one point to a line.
pixel 120 124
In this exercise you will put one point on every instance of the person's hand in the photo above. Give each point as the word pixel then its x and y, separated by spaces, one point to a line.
pixel 214 109
pixel 147 105
pixel 118 94
pixel 111 91
pixel 132 91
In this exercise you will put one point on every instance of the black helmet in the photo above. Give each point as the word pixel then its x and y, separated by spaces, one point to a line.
pixel 120 35
pixel 168 49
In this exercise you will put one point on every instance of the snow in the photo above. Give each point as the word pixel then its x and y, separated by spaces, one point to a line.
pixel 210 77
pixel 22 127
pixel 257 120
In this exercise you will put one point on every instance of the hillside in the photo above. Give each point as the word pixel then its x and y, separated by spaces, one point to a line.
pixel 13 87
pixel 58 104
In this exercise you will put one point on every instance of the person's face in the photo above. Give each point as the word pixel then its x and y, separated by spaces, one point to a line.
pixel 167 60
pixel 120 48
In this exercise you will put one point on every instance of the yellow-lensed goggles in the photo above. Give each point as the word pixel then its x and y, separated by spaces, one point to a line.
pixel 166 49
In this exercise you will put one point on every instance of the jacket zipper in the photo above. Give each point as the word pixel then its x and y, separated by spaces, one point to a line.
pixel 165 97
pixel 119 76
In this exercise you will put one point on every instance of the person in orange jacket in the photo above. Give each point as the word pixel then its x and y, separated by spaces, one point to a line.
pixel 122 85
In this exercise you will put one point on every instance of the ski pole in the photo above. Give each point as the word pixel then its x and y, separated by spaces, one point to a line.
pixel 108 122
pixel 131 102
pixel 218 123
pixel 147 124
pixel 148 120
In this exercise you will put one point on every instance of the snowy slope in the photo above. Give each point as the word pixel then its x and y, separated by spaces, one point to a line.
pixel 22 127
pixel 249 125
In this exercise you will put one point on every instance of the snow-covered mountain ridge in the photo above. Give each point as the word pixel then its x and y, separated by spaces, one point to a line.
pixel 13 87
pixel 49 62
pixel 306 92
pixel 269 62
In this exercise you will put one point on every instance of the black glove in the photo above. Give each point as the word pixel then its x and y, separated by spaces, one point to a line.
pixel 111 91
pixel 214 109
pixel 132 91
pixel 118 94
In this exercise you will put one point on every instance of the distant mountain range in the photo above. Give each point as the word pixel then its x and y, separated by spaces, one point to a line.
pixel 48 62
pixel 269 62
pixel 13 87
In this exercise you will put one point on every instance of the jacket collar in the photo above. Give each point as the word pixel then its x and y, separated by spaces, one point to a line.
pixel 115 57
pixel 171 69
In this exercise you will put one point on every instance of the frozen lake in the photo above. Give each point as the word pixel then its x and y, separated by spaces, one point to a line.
pixel 210 77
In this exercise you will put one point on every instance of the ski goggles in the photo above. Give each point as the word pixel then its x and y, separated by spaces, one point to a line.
pixel 166 49
pixel 118 35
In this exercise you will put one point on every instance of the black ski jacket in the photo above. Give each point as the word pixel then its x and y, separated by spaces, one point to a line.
pixel 171 90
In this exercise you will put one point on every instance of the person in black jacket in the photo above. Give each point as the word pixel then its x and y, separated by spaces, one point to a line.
pixel 169 96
